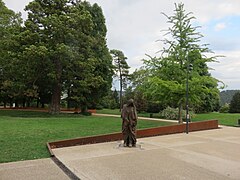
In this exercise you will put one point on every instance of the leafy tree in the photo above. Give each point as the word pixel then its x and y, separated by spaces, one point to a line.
pixel 167 80
pixel 10 27
pixel 224 108
pixel 234 106
pixel 76 59
pixel 96 78
pixel 121 70
pixel 111 101
pixel 115 97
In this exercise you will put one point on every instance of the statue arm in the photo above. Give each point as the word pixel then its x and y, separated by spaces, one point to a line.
pixel 124 113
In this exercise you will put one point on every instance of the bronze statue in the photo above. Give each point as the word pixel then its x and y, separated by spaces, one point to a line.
pixel 129 123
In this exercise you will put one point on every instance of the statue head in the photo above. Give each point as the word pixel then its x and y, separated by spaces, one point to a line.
pixel 130 102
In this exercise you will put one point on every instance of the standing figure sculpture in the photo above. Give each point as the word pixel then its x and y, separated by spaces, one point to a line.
pixel 129 123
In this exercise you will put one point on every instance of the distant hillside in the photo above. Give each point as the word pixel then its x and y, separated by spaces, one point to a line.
pixel 226 96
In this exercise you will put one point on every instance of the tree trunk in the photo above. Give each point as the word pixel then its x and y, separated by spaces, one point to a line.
pixel 28 103
pixel 56 98
pixel 68 98
pixel 121 101
pixel 16 104
pixel 180 121
pixel 38 101
pixel 24 102
pixel 83 108
pixel 11 103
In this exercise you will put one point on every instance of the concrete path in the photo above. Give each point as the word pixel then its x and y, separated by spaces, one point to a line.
pixel 212 155
pixel 41 169
pixel 143 118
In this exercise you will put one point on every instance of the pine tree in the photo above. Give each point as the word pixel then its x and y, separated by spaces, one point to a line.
pixel 121 70
pixel 235 103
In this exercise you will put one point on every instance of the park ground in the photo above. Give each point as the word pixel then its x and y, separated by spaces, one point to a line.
pixel 24 134
pixel 211 154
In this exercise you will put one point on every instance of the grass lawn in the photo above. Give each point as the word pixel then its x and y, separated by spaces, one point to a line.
pixel 228 119
pixel 23 134
pixel 117 112
pixel 109 111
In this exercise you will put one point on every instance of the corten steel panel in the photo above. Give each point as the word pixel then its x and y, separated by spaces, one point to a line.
pixel 161 130
pixel 203 125
pixel 86 140
pixel 180 128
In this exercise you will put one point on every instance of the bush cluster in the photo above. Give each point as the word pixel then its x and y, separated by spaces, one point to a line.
pixel 224 108
pixel 172 113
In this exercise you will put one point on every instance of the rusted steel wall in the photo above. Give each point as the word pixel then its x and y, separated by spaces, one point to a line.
pixel 203 125
pixel 164 130
pixel 179 128
pixel 86 140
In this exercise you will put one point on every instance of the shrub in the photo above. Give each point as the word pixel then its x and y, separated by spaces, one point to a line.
pixel 86 113
pixel 153 107
pixel 224 108
pixel 172 113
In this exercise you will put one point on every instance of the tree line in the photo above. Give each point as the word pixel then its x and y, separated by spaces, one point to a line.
pixel 61 51
pixel 226 96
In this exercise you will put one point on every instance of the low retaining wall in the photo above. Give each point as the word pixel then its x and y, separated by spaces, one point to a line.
pixel 164 130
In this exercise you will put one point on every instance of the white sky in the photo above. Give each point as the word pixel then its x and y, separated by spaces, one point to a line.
pixel 135 25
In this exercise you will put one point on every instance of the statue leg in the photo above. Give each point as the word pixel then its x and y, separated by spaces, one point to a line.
pixel 133 136
pixel 126 134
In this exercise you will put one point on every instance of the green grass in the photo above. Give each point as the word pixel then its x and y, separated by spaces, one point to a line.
pixel 117 112
pixel 228 119
pixel 109 111
pixel 23 134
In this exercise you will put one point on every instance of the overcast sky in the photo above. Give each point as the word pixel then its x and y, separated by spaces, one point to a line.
pixel 135 25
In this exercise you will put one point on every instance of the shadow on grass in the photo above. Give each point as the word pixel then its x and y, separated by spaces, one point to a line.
pixel 35 114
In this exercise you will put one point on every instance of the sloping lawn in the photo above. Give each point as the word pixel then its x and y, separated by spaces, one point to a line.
pixel 23 134
pixel 228 119
pixel 117 112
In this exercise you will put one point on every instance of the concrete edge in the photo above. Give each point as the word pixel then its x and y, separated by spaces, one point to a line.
pixel 65 169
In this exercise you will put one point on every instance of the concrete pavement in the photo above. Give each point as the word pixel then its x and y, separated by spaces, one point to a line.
pixel 212 154
pixel 41 169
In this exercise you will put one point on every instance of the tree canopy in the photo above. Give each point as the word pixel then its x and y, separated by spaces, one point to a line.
pixel 121 70
pixel 10 26
pixel 61 51
pixel 165 79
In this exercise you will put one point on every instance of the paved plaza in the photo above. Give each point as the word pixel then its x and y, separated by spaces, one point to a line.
pixel 40 169
pixel 211 154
